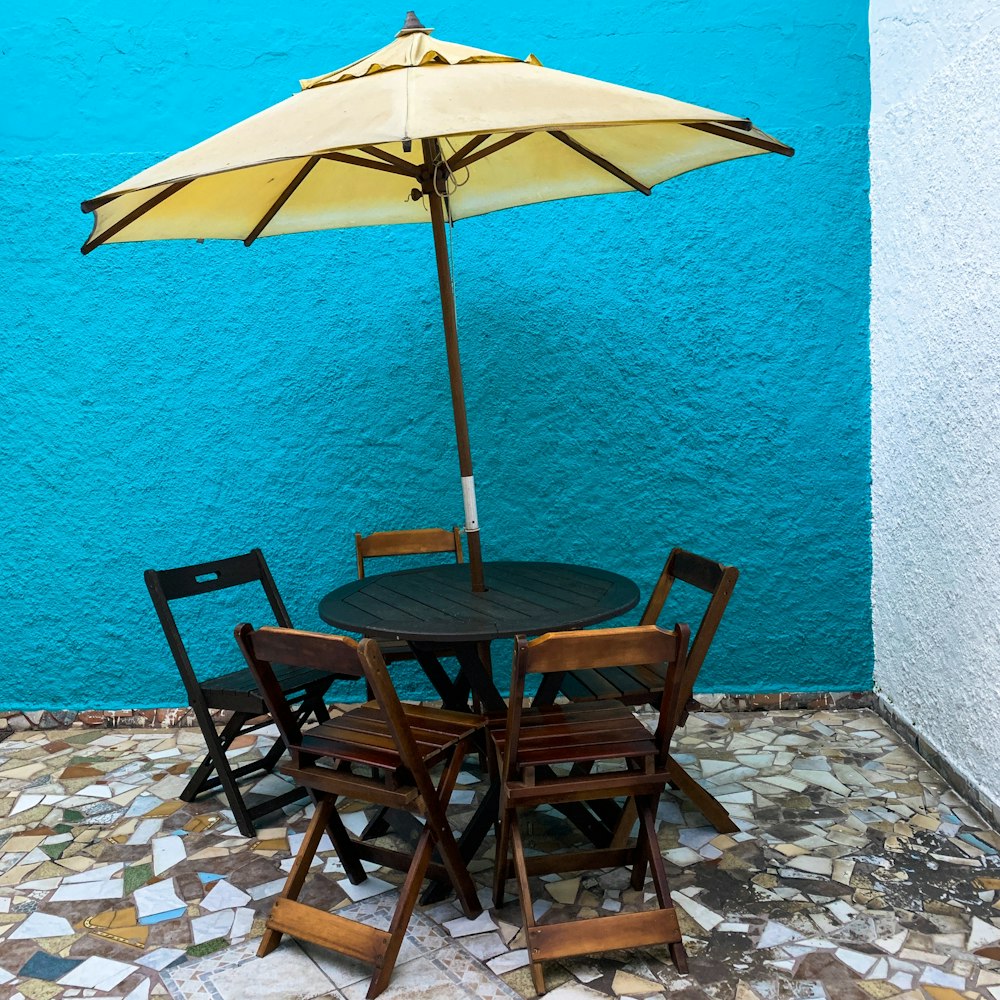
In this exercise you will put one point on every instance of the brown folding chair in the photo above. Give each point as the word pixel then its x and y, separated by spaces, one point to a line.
pixel 411 542
pixel 533 752
pixel 380 752
pixel 642 684
pixel 235 691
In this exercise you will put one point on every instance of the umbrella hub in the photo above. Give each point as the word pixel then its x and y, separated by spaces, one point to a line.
pixel 412 26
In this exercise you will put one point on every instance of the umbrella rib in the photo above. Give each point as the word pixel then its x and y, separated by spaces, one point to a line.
pixel 361 161
pixel 459 164
pixel 404 165
pixel 279 202
pixel 472 144
pixel 136 213
pixel 761 141
pixel 601 162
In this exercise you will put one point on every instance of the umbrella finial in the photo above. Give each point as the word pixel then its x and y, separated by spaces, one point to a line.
pixel 412 26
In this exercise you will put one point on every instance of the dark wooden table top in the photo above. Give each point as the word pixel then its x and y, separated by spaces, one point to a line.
pixel 436 603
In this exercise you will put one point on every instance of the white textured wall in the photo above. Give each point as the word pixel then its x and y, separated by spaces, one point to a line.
pixel 935 344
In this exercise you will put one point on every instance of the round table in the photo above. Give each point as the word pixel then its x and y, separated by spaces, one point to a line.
pixel 436 604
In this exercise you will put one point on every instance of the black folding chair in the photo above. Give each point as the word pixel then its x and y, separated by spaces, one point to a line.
pixel 237 690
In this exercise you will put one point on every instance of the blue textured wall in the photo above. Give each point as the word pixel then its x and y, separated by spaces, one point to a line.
pixel 691 368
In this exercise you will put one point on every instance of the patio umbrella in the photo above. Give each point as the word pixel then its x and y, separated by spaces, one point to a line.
pixel 422 130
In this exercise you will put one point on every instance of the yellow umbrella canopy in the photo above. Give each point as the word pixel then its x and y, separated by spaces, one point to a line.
pixel 420 131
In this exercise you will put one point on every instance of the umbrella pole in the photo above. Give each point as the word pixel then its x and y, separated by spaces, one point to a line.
pixel 455 375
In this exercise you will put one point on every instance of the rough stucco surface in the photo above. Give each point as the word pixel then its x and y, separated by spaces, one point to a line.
pixel 935 355
pixel 688 369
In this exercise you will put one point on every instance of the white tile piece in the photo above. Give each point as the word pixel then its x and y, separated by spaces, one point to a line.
pixel 98 874
pixel 371 886
pixel 733 927
pixel 160 897
pixel 697 837
pixel 776 933
pixel 982 934
pixel 141 992
pixel 286 864
pixel 266 889
pixel 5 976
pixel 109 889
pixel 856 960
pixel 224 895
pixel 295 842
pixel 508 962
pixel 145 831
pixel 25 802
pixel 936 977
pixel 95 792
pixel 901 980
pixel 844 912
pixel 682 856
pixel 463 926
pixel 815 864
pixel 355 822
pixel 701 915
pixel 41 925
pixel 825 780
pixel 880 970
pixel 160 959
pixel 242 922
pixel 215 925
pixel 97 973
pixel 42 883
pixel 167 852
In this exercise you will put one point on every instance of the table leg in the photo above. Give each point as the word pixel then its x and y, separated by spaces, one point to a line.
pixel 454 693
pixel 480 679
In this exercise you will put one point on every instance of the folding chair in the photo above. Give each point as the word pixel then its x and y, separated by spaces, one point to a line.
pixel 410 542
pixel 642 684
pixel 380 752
pixel 235 691
pixel 610 755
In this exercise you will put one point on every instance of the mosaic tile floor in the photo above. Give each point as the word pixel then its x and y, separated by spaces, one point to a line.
pixel 857 874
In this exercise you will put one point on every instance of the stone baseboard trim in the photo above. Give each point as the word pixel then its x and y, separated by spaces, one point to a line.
pixel 171 718
pixel 981 802
pixel 779 701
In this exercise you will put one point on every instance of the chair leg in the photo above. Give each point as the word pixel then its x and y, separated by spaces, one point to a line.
pixel 521 870
pixel 646 807
pixel 707 804
pixel 217 752
pixel 300 868
pixel 500 859
pixel 408 892
pixel 344 846
pixel 444 839
pixel 229 732
pixel 271 758
pixel 642 854
pixel 317 706
pixel 625 823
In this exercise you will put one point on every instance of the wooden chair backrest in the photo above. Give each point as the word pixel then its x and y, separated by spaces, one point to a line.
pixel 411 542
pixel 412 760
pixel 597 649
pixel 166 585
pixel 715 579
pixel 264 647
